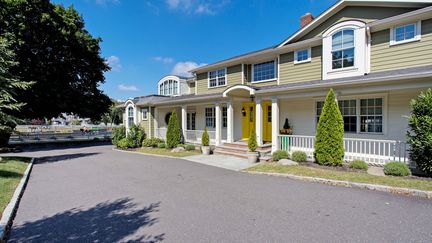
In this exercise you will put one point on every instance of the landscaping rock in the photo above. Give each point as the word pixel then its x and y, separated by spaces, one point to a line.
pixel 178 150
pixel 287 162
pixel 373 170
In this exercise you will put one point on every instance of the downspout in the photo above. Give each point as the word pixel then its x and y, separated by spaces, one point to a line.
pixel 368 50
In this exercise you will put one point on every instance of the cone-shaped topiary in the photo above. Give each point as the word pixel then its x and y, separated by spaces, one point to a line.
pixel 205 139
pixel 173 136
pixel 252 143
pixel 420 134
pixel 329 149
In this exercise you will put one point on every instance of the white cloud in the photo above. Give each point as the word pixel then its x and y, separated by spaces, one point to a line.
pixel 114 63
pixel 209 7
pixel 183 68
pixel 165 60
pixel 105 2
pixel 128 88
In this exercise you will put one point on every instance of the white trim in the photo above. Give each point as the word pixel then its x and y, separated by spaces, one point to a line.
pixel 243 74
pixel 309 51
pixel 217 81
pixel 278 69
pixel 251 90
pixel 266 80
pixel 417 36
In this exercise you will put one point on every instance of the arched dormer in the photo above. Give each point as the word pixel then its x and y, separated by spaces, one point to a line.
pixel 171 86
pixel 345 50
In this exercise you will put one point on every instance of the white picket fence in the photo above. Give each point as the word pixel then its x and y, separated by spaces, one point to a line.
pixel 376 152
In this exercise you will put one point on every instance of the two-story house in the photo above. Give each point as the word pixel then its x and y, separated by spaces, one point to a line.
pixel 375 54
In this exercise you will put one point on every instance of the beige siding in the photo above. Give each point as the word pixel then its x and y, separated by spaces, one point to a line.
pixel 234 76
pixel 366 14
pixel 290 72
pixel 385 57
pixel 146 123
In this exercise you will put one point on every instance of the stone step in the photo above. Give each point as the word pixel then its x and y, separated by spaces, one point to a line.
pixel 232 154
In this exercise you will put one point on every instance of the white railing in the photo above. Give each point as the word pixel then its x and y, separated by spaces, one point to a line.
pixel 161 133
pixel 372 151
pixel 194 136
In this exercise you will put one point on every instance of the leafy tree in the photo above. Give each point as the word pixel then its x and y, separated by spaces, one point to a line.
pixel 173 136
pixel 329 148
pixel 136 136
pixel 420 133
pixel 9 85
pixel 252 143
pixel 119 133
pixel 54 49
pixel 205 139
pixel 114 115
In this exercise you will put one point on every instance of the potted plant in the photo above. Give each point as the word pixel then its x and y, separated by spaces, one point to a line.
pixel 205 142
pixel 287 130
pixel 252 145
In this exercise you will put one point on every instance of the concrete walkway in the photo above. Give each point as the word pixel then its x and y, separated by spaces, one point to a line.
pixel 221 161
pixel 95 194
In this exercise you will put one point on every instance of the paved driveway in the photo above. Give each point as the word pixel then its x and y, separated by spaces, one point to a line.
pixel 95 194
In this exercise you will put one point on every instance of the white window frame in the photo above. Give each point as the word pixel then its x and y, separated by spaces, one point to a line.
pixel 358 99
pixel 275 66
pixel 217 78
pixel 144 112
pixel 303 61
pixel 417 36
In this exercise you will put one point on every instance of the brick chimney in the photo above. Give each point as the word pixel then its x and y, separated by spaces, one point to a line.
pixel 306 19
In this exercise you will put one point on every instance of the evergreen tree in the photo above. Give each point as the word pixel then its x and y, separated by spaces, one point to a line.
pixel 420 134
pixel 329 147
pixel 252 143
pixel 205 139
pixel 173 136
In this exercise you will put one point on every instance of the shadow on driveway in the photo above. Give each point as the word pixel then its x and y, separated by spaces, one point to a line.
pixel 62 157
pixel 106 222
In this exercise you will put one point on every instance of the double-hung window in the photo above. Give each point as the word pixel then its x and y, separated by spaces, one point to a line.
pixel 130 116
pixel 144 113
pixel 210 117
pixel 224 117
pixel 301 56
pixel 191 121
pixel 265 71
pixel 405 33
pixel 217 78
pixel 343 49
pixel 366 114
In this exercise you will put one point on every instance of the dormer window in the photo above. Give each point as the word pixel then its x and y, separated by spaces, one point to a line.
pixel 302 56
pixel 405 33
pixel 168 87
pixel 343 49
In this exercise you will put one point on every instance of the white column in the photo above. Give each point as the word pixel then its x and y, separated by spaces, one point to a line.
pixel 258 122
pixel 218 124
pixel 275 124
pixel 230 122
pixel 150 119
pixel 156 124
pixel 184 120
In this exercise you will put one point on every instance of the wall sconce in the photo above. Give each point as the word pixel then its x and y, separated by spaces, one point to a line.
pixel 243 111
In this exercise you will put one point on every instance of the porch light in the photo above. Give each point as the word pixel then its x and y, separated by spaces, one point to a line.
pixel 243 111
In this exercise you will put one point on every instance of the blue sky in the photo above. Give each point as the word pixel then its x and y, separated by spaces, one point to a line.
pixel 143 40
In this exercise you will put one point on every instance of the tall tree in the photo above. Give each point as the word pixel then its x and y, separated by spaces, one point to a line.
pixel 54 49
pixel 9 85
pixel 329 147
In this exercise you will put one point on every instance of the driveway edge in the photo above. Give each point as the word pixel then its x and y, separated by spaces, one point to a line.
pixel 157 155
pixel 372 187
pixel 10 210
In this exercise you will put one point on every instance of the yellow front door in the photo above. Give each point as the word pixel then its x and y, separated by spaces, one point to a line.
pixel 267 121
pixel 248 119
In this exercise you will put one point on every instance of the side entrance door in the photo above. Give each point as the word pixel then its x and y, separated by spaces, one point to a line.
pixel 267 121
pixel 248 119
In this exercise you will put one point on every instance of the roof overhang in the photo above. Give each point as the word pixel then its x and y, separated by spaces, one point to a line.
pixel 239 91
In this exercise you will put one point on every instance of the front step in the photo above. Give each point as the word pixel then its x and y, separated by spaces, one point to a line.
pixel 240 149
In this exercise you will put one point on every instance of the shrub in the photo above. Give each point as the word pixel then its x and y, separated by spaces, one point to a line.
pixel 420 133
pixel 161 145
pixel 123 143
pixel 396 169
pixel 299 156
pixel 252 143
pixel 205 139
pixel 173 136
pixel 152 142
pixel 136 136
pixel 118 134
pixel 180 146
pixel 190 147
pixel 279 154
pixel 358 164
pixel 329 149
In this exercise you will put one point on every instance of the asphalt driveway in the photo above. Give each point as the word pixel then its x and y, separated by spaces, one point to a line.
pixel 95 194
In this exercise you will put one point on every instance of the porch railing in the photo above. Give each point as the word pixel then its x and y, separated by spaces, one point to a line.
pixel 372 151
pixel 191 136
pixel 161 133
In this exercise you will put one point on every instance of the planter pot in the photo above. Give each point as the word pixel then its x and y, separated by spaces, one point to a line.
pixel 252 157
pixel 205 150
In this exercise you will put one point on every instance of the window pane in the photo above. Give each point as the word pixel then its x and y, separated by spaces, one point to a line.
pixel 337 41
pixel 348 38
pixel 264 71
pixel 337 64
pixel 406 32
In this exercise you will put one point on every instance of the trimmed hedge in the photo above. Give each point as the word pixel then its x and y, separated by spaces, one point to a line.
pixel 123 143
pixel 279 154
pixel 329 147
pixel 190 147
pixel 118 134
pixel 152 142
pixel 136 136
pixel 299 156
pixel 358 164
pixel 396 169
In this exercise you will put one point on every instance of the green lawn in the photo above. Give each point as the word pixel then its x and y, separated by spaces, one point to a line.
pixel 11 171
pixel 345 176
pixel 166 152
